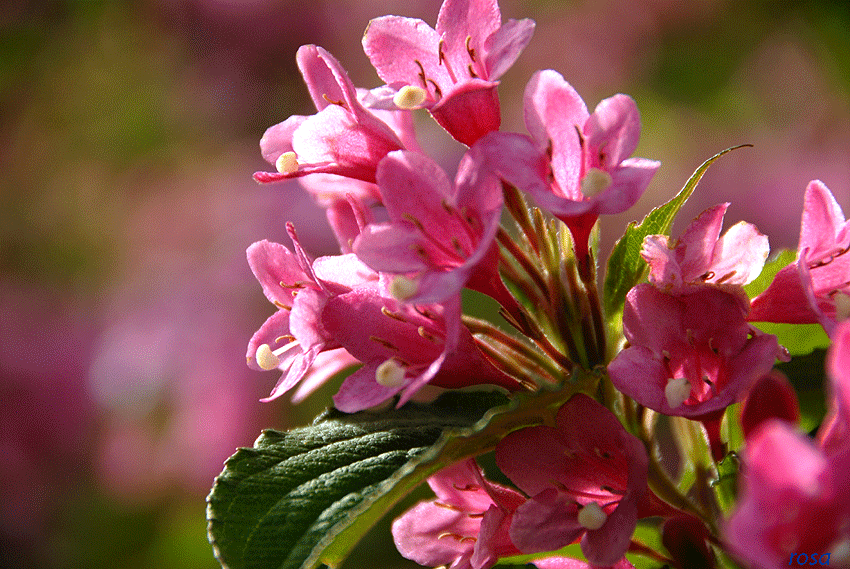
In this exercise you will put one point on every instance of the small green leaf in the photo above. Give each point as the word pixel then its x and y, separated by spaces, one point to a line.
pixel 626 268
pixel 273 503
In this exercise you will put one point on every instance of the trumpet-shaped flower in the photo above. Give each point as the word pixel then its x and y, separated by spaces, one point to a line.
pixel 817 287
pixel 342 138
pixel 574 164
pixel 700 255
pixel 403 347
pixel 291 339
pixel 452 71
pixel 440 235
pixel 585 477
pixel 690 355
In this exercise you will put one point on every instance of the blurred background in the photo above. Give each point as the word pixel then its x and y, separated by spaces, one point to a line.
pixel 128 135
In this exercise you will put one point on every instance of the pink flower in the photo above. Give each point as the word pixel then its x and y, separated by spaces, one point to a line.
pixel 342 138
pixel 834 432
pixel 452 71
pixel 403 347
pixel 792 499
pixel 817 287
pixel 440 235
pixel 586 478
pixel 465 527
pixel 574 164
pixel 291 339
pixel 699 256
pixel 690 355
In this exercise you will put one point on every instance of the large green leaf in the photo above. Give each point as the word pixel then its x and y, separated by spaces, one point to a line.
pixel 626 268
pixel 273 503
pixel 306 497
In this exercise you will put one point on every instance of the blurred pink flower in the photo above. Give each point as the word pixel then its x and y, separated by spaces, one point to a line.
pixel 792 499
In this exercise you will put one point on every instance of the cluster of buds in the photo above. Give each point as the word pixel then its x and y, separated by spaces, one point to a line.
pixel 517 224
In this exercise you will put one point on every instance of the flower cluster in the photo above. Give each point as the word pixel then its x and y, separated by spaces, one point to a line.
pixel 517 225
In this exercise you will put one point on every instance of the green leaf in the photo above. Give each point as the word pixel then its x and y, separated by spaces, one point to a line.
pixel 626 268
pixel 275 502
pixel 303 498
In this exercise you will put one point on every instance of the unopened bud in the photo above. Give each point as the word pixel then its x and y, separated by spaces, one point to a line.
pixel 410 97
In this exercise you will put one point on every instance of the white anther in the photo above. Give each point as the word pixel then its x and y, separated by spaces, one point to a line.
pixel 591 516
pixel 410 97
pixel 677 391
pixel 287 163
pixel 595 181
pixel 402 288
pixel 390 374
pixel 266 358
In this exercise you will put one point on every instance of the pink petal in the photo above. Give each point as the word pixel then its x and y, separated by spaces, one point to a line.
pixel 612 132
pixel 469 110
pixel 504 46
pixel 462 19
pixel 553 112
pixel 630 179
pixel 277 139
pixel 546 522
pixel 299 365
pixel 340 143
pixel 697 243
pixel 361 391
pixel 394 44
pixel 822 220
pixel 276 326
pixel 784 300
pixel 416 535
pixel 326 80
pixel 389 248
pixel 273 264
pixel 325 366
pixel 834 432
pixel 741 252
